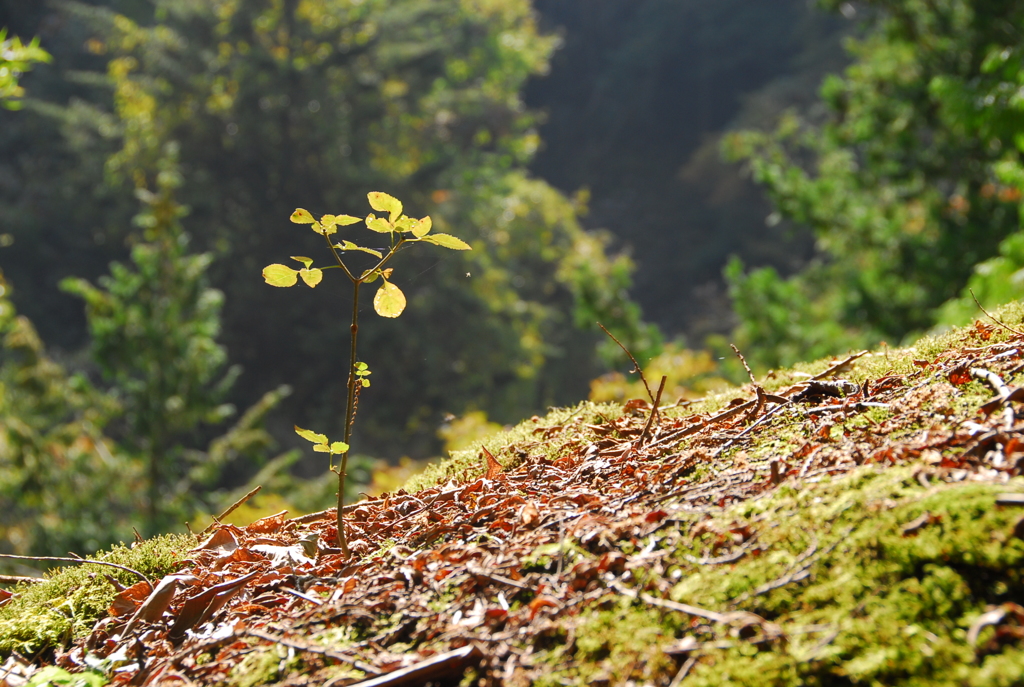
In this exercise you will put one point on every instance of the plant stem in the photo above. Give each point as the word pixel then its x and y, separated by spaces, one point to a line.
pixel 350 406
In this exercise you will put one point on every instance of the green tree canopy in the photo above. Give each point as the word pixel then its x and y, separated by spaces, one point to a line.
pixel 908 182
pixel 275 105
pixel 15 59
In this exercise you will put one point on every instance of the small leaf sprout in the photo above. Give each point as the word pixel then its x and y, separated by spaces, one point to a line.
pixel 389 301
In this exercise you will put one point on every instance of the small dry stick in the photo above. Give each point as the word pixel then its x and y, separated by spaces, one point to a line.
pixel 230 510
pixel 991 317
pixel 683 672
pixel 636 365
pixel 20 579
pixel 744 361
pixel 76 559
pixel 654 412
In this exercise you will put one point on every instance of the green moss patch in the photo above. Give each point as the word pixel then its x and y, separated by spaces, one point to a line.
pixel 68 603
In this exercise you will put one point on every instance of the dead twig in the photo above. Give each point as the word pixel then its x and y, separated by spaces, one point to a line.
pixel 683 672
pixel 732 442
pixel 839 367
pixel 800 570
pixel 728 558
pixel 636 365
pixel 20 579
pixel 654 413
pixel 744 361
pixel 311 649
pixel 230 510
pixel 666 603
pixel 441 666
pixel 1003 391
pixel 76 559
pixel 992 317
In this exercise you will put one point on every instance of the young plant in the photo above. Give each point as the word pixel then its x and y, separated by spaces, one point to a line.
pixel 389 301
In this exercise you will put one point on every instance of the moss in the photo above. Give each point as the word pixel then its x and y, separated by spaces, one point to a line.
pixel 265 665
pixel 878 607
pixel 548 437
pixel 68 603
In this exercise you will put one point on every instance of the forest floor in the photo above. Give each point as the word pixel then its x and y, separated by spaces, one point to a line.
pixel 849 521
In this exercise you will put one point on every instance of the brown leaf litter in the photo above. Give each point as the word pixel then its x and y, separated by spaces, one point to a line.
pixel 472 572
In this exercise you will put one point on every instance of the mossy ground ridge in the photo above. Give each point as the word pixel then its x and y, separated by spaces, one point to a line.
pixel 834 524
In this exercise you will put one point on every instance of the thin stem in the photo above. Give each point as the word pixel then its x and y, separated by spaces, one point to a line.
pixel 636 365
pixel 337 257
pixel 350 406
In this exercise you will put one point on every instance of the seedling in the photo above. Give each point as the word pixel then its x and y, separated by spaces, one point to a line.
pixel 389 301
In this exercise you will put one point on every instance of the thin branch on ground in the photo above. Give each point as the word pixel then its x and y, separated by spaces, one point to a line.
pixel 636 365
pixel 76 559
pixel 230 510
pixel 744 361
pixel 993 318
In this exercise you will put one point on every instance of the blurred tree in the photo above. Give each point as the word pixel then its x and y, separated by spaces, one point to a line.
pixel 904 185
pixel 636 101
pixel 283 104
pixel 15 59
pixel 64 486
pixel 154 326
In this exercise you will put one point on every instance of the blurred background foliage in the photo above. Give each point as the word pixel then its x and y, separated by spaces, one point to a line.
pixel 799 177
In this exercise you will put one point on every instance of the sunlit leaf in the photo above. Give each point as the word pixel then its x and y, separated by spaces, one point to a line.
pixel 345 220
pixel 389 300
pixel 310 435
pixel 303 259
pixel 280 275
pixel 311 277
pixel 321 448
pixel 382 202
pixel 378 224
pixel 301 216
pixel 348 245
pixel 325 226
pixel 386 273
pixel 422 227
pixel 339 447
pixel 447 241
pixel 370 276
pixel 364 382
pixel 404 223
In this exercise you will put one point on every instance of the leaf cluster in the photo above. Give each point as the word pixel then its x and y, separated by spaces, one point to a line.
pixel 389 300
pixel 16 58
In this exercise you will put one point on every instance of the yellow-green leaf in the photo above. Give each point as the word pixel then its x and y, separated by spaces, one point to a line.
pixel 339 447
pixel 328 220
pixel 311 277
pixel 447 241
pixel 404 223
pixel 303 259
pixel 280 275
pixel 422 227
pixel 370 276
pixel 301 216
pixel 382 202
pixel 348 245
pixel 345 220
pixel 321 448
pixel 310 435
pixel 378 224
pixel 389 300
